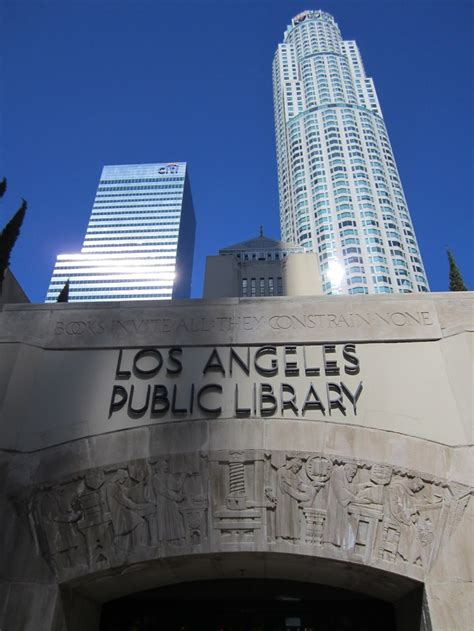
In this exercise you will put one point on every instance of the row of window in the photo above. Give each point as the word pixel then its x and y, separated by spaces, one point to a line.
pixel 262 256
pixel 138 206
pixel 265 287
pixel 118 287
pixel 113 229
pixel 61 271
pixel 144 196
pixel 95 297
pixel 141 180
pixel 328 102
pixel 108 280
pixel 117 214
pixel 110 241
pixel 139 188
pixel 105 225
pixel 128 249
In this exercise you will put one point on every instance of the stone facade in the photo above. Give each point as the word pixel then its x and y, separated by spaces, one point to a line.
pixel 262 267
pixel 316 439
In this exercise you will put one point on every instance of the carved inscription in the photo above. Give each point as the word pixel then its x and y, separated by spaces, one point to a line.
pixel 119 328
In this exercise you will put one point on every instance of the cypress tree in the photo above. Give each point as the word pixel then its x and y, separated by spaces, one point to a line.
pixel 456 282
pixel 8 237
pixel 3 188
pixel 64 293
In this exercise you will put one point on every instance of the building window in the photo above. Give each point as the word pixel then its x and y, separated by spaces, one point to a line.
pixel 358 290
pixel 279 286
pixel 271 288
pixel 244 287
pixel 253 287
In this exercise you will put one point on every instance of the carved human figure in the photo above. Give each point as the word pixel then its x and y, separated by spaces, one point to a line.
pixel 290 492
pixel 168 489
pixel 402 503
pixel 95 522
pixel 140 491
pixel 371 492
pixel 127 520
pixel 58 525
pixel 338 527
pixel 425 531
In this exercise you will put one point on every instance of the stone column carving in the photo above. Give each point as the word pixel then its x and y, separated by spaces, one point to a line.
pixel 238 500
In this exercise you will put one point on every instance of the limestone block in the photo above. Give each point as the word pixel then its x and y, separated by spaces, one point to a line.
pixel 450 606
pixel 30 607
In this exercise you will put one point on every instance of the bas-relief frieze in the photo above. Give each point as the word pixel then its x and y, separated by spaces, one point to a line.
pixel 100 517
pixel 304 503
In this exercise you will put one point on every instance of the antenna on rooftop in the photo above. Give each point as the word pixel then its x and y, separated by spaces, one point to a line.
pixel 261 231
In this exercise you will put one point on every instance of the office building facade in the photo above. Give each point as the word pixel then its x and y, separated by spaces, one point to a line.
pixel 139 242
pixel 339 188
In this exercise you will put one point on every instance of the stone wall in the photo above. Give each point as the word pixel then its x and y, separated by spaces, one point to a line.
pixel 320 439
pixel 299 273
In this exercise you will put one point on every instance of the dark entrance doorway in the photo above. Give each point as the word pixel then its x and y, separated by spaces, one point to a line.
pixel 248 605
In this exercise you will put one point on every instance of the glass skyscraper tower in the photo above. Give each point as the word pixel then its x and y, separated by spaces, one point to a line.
pixel 139 243
pixel 339 188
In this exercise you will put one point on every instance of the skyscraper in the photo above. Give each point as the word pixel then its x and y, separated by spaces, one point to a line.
pixel 139 243
pixel 339 188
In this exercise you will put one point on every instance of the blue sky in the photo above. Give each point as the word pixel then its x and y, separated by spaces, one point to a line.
pixel 93 82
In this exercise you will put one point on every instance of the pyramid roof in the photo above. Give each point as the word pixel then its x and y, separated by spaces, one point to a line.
pixel 261 243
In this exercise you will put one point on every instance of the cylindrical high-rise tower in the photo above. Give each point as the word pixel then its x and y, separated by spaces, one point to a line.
pixel 340 192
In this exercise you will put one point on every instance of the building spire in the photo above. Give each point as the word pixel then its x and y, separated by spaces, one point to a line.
pixel 261 231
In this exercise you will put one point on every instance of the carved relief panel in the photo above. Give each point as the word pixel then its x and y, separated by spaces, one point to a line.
pixel 104 517
pixel 304 503
pixel 237 496
pixel 366 512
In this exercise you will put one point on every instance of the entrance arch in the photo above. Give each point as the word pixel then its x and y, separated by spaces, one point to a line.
pixel 248 605
pixel 257 590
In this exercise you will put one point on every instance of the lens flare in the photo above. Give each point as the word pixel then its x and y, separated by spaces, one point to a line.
pixel 335 273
